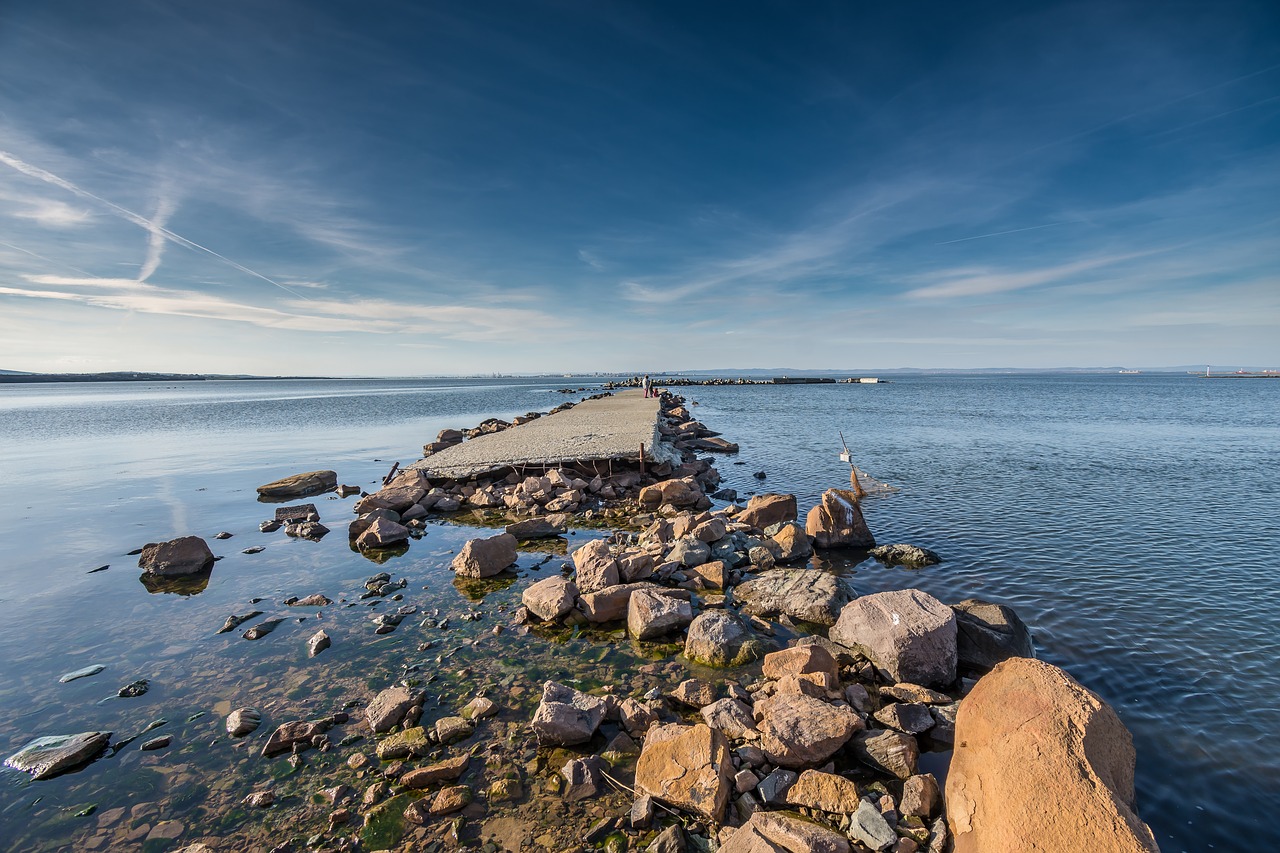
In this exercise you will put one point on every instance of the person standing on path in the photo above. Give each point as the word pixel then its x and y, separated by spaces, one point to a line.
pixel 646 385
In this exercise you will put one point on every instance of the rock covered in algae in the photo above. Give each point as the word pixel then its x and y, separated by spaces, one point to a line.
pixel 48 756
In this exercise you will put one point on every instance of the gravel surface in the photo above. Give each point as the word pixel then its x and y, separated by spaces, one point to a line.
pixel 609 428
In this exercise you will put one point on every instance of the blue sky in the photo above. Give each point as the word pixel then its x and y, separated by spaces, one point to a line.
pixel 418 188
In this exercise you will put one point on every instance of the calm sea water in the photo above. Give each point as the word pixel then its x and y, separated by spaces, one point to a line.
pixel 1128 519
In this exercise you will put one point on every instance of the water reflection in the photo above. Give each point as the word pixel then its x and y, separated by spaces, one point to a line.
pixel 184 585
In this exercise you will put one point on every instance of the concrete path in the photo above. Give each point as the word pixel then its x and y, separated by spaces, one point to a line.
pixel 609 428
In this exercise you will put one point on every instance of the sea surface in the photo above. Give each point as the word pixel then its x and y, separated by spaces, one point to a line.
pixel 1130 520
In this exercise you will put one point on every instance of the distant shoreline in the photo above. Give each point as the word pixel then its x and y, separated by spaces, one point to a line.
pixel 30 378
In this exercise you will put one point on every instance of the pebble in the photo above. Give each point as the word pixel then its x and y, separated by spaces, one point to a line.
pixel 157 743
pixel 82 673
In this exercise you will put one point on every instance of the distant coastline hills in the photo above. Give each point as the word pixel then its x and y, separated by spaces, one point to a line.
pixel 18 376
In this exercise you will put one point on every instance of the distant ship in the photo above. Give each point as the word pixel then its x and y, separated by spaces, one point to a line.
pixel 1130 372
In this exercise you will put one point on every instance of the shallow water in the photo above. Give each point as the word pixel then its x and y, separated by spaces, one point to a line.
pixel 1126 518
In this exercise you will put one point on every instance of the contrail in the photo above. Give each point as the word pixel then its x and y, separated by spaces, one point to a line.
pixel 141 221
pixel 48 260
pixel 1010 231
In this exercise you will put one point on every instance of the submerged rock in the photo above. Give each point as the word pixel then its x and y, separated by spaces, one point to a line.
pixel 234 621
pixel 48 756
pixel 318 642
pixel 901 554
pixel 84 672
pixel 134 689
pixel 300 485
pixel 242 721
pixel 262 629
pixel 186 555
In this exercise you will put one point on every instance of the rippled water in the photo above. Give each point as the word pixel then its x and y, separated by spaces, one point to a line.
pixel 1128 519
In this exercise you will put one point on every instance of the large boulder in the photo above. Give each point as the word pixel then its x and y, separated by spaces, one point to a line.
pixel 483 558
pixel 808 595
pixel 767 510
pixel 611 603
pixel 596 567
pixel 566 717
pixel 652 613
pixel 825 792
pixel 798 730
pixel 550 598
pixel 719 638
pixel 186 555
pixel 989 633
pixel 689 767
pixel 300 485
pixel 1041 763
pixel 908 634
pixel 837 522
pixel 779 832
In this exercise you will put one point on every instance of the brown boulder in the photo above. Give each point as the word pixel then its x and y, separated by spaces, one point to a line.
pixel 682 492
pixel 652 613
pixel 793 543
pixel 300 485
pixel 778 832
pixel 689 767
pixel 825 792
pixel 610 603
pixel 186 555
pixel 801 660
pixel 837 522
pixel 595 566
pixel 1041 763
pixel 798 730
pixel 381 534
pixel 483 558
pixel 550 598
pixel 388 708
pixel 396 499
pixel 767 510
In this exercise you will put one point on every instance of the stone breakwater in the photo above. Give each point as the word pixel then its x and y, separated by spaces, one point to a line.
pixel 779 710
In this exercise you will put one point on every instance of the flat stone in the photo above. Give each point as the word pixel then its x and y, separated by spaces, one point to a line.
pixel 450 729
pixel 300 485
pixel 808 595
pixel 535 528
pixel 450 800
pixel 46 757
pixel 403 744
pixel 921 796
pixel 448 770
pixel 779 832
pixel 84 672
pixel 290 734
pixel 689 767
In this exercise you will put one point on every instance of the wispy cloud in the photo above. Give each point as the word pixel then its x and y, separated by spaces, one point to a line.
pixel 960 283
pixel 53 214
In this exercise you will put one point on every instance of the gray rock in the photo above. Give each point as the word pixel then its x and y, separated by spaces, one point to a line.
pixel 652 614
pixel 186 555
pixel 84 672
pixel 900 554
pixel 388 708
pixel 689 551
pixel 382 533
pixel 46 757
pixel 157 743
pixel 869 826
pixel 318 642
pixel 989 633
pixel 773 788
pixel 312 531
pixel 910 717
pixel 805 594
pixel 921 796
pixel 731 716
pixel 670 840
pixel 262 629
pixel 719 638
pixel 234 621
pixel 908 634
pixel 584 778
pixel 297 513
pixel 890 752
